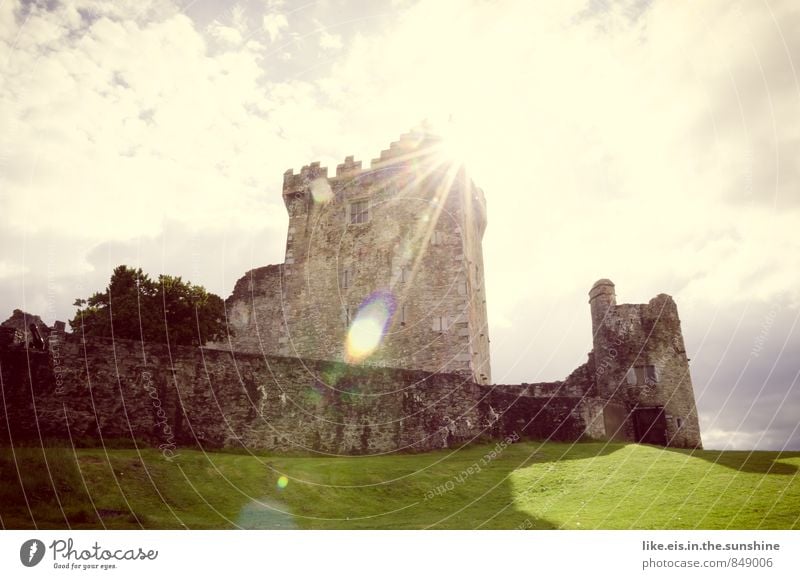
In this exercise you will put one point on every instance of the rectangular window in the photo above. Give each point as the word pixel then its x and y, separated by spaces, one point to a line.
pixel 642 375
pixel 679 421
pixel 440 324
pixel 347 316
pixel 437 238
pixel 462 288
pixel 359 212
pixel 405 274
pixel 346 279
pixel 402 315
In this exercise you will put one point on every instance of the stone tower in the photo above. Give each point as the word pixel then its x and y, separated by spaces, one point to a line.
pixel 641 370
pixel 383 266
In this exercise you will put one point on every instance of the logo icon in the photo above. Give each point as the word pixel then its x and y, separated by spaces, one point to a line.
pixel 31 552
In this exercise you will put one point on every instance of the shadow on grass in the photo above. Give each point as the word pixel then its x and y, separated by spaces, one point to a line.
pixel 47 489
pixel 480 486
pixel 744 460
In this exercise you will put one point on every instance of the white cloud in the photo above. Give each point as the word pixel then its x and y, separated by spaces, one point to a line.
pixel 274 23
pixel 329 42
pixel 10 269
pixel 113 125
pixel 606 146
pixel 226 34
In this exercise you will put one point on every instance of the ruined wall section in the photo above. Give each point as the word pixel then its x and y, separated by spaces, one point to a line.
pixel 256 313
pixel 628 340
pixel 110 392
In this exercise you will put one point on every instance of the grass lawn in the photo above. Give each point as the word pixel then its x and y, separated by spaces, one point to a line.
pixel 527 485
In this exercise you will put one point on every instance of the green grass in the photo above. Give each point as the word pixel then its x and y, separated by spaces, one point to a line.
pixel 527 485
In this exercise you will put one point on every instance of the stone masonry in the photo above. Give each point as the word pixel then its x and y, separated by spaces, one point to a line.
pixel 123 392
pixel 400 241
pixel 635 386
pixel 641 366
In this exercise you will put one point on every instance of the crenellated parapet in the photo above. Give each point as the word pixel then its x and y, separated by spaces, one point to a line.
pixel 349 168
pixel 293 183
pixel 411 145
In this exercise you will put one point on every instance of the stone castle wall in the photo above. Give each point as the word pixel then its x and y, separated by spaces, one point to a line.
pixel 417 255
pixel 635 386
pixel 104 392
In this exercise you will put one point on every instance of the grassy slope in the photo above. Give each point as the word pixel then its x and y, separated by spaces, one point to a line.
pixel 528 485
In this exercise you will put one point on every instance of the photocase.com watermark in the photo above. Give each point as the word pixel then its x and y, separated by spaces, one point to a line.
pixel 66 556
pixel 167 448
pixel 473 469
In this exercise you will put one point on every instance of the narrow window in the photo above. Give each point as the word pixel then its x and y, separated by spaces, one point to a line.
pixel 679 421
pixel 643 375
pixel 347 316
pixel 359 212
pixel 405 275
pixel 402 315
pixel 346 278
pixel 440 324
pixel 437 238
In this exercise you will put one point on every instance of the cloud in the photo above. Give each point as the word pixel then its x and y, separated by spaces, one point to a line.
pixel 329 42
pixel 225 34
pixel 609 145
pixel 274 23
pixel 112 124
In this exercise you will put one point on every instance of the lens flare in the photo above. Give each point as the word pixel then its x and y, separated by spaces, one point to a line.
pixel 369 326
pixel 282 482
pixel 321 191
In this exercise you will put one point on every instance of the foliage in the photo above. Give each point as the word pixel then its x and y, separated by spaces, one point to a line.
pixel 136 307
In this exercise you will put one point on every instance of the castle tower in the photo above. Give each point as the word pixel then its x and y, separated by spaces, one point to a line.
pixel 602 301
pixel 641 370
pixel 383 266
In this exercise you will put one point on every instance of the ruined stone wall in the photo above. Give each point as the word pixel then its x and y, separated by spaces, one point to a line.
pixel 418 254
pixel 255 313
pixel 629 337
pixel 104 392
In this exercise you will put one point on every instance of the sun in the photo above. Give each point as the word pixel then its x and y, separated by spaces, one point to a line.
pixel 458 145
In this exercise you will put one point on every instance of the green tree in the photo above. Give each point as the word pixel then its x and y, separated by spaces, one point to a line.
pixel 165 310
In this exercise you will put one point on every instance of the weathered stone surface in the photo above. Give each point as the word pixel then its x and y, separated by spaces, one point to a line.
pixel 104 391
pixel 630 337
pixel 20 322
pixel 100 390
pixel 418 250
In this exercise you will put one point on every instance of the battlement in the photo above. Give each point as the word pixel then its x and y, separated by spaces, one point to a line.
pixel 348 168
pixel 411 145
pixel 293 183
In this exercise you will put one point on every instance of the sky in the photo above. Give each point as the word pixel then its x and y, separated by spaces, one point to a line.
pixel 653 143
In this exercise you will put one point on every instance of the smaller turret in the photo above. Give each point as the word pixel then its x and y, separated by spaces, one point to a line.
pixel 602 300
